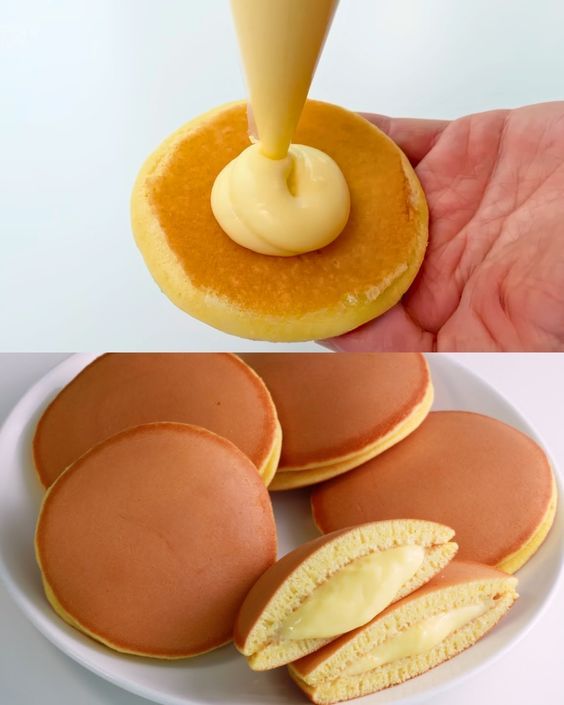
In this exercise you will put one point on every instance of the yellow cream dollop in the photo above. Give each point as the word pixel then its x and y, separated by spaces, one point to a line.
pixel 281 207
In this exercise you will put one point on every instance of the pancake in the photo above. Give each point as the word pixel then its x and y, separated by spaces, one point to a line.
pixel 337 411
pixel 359 276
pixel 278 621
pixel 117 391
pixel 490 482
pixel 151 540
pixel 394 646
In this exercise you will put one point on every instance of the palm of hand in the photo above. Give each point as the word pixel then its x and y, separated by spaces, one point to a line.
pixel 493 276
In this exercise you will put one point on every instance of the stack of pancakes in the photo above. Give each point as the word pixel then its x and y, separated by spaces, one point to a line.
pixel 156 468
pixel 156 535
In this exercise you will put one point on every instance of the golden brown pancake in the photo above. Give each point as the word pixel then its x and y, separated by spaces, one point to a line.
pixel 288 584
pixel 359 276
pixel 337 411
pixel 150 542
pixel 337 671
pixel 117 391
pixel 490 482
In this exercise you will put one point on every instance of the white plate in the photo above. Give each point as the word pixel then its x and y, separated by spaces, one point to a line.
pixel 223 675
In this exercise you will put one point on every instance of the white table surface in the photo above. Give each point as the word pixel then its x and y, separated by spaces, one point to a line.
pixel 90 88
pixel 33 671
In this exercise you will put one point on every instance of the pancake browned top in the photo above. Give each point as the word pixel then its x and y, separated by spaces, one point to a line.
pixel 331 406
pixel 118 391
pixel 488 481
pixel 152 539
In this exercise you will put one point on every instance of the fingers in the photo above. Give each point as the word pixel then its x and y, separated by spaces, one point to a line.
pixel 415 137
pixel 394 331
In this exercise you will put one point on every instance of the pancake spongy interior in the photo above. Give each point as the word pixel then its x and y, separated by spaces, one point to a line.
pixel 326 684
pixel 262 646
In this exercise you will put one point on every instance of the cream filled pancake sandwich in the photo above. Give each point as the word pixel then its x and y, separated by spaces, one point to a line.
pixel 214 390
pixel 338 411
pixel 150 541
pixel 490 482
pixel 447 615
pixel 336 583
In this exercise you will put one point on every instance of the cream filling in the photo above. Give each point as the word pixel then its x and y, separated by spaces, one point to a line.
pixel 417 639
pixel 280 42
pixel 354 595
pixel 276 198
pixel 281 207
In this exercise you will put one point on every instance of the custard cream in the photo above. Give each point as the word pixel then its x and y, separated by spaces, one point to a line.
pixel 280 41
pixel 274 198
pixel 418 639
pixel 281 207
pixel 354 595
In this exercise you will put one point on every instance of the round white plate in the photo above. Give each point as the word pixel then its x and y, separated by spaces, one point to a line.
pixel 223 675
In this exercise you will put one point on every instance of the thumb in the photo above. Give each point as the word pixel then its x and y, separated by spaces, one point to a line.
pixel 394 331
pixel 415 137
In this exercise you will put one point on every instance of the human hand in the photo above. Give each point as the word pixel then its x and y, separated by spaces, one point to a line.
pixel 493 275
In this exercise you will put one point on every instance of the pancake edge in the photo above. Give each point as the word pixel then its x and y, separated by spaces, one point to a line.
pixel 292 479
pixel 516 560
